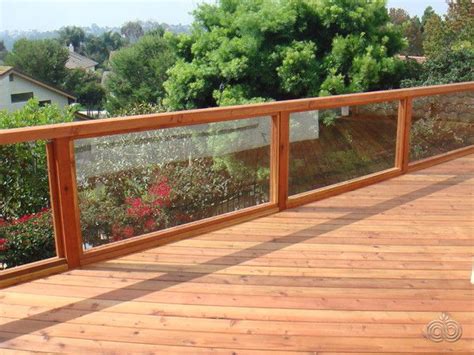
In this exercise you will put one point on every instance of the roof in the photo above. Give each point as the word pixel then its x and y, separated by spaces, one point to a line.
pixel 5 70
pixel 76 60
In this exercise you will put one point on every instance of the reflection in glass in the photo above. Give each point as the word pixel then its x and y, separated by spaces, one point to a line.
pixel 441 123
pixel 332 146
pixel 137 183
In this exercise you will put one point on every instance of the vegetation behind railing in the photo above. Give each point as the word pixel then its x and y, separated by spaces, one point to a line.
pixel 188 179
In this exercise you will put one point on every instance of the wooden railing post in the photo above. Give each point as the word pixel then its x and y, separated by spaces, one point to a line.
pixel 283 164
pixel 54 199
pixel 67 209
pixel 275 159
pixel 402 155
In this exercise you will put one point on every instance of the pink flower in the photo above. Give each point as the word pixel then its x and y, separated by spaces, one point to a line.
pixel 128 232
pixel 150 224
pixel 138 208
pixel 160 189
pixel 134 202
pixel 24 218
pixel 3 241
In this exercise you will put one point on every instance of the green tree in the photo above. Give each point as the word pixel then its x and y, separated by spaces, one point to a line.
pixel 99 48
pixel 72 35
pixel 413 31
pixel 445 68
pixel 454 32
pixel 132 30
pixel 43 59
pixel 429 11
pixel 3 51
pixel 257 50
pixel 138 72
pixel 398 16
pixel 86 87
pixel 411 28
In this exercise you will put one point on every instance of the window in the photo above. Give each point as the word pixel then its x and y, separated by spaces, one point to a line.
pixel 11 77
pixel 44 103
pixel 24 96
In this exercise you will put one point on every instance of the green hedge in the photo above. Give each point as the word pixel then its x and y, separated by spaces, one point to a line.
pixel 27 239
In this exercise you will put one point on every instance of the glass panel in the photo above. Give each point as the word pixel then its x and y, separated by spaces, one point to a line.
pixel 26 229
pixel 331 146
pixel 137 183
pixel 441 123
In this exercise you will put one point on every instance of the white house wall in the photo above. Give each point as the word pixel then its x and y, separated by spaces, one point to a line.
pixel 20 85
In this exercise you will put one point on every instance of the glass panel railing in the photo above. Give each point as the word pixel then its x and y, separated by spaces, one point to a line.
pixel 441 123
pixel 332 146
pixel 133 184
pixel 26 228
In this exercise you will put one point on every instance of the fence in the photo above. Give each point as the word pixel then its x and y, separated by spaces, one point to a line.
pixel 125 184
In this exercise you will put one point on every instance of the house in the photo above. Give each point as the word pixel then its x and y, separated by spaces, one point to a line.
pixel 77 61
pixel 16 88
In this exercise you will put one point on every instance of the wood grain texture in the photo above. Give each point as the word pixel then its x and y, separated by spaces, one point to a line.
pixel 359 273
pixel 54 193
pixel 68 202
pixel 403 134
pixel 284 152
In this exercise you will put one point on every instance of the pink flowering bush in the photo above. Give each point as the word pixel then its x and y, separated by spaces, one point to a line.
pixel 122 208
pixel 146 213
pixel 26 239
pixel 134 202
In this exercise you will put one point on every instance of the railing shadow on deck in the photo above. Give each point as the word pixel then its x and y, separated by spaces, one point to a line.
pixel 14 329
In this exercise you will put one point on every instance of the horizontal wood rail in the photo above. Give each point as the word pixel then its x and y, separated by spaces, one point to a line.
pixel 32 271
pixel 63 184
pixel 118 125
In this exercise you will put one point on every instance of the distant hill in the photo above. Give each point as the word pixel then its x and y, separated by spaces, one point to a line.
pixel 10 37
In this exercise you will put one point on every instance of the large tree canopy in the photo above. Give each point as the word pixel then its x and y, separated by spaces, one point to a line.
pixel 72 35
pixel 99 47
pixel 138 72
pixel 412 29
pixel 86 87
pixel 42 59
pixel 454 32
pixel 256 50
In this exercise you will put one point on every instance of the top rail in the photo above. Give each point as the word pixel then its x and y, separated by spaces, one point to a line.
pixel 118 125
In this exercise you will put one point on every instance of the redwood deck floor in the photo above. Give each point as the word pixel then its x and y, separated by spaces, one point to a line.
pixel 361 272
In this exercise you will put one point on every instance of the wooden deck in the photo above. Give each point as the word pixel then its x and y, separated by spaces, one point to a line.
pixel 361 272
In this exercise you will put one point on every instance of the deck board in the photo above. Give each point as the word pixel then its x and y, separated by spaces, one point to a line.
pixel 362 272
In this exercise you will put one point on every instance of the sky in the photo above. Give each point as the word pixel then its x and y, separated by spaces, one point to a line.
pixel 46 15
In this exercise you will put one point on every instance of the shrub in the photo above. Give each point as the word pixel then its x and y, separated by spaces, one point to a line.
pixel 106 216
pixel 27 239
pixel 433 135
pixel 445 68
pixel 23 168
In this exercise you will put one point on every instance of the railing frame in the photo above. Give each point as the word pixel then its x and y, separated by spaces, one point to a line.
pixel 63 184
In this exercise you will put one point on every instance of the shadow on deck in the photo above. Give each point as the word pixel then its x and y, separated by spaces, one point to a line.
pixel 364 271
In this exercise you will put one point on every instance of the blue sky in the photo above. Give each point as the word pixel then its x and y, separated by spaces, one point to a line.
pixel 52 14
